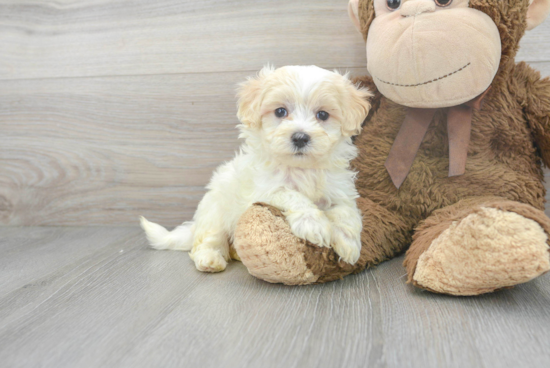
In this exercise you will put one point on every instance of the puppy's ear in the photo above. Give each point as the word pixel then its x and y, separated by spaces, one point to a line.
pixel 249 96
pixel 356 109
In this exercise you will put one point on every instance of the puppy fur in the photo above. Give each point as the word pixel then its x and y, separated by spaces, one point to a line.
pixel 310 181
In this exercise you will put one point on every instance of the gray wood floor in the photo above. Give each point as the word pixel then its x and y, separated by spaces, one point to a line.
pixel 111 109
pixel 98 297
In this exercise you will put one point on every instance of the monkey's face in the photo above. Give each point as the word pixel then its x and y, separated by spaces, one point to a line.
pixel 432 53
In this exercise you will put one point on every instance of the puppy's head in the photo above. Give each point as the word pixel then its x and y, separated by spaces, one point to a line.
pixel 300 115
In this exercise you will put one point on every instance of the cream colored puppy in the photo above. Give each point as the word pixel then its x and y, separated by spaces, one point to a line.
pixel 297 123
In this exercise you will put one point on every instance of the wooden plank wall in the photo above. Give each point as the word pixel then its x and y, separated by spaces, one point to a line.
pixel 110 109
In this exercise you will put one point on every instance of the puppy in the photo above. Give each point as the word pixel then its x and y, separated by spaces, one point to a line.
pixel 297 123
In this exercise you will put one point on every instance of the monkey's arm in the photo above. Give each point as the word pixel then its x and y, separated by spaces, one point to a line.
pixel 537 109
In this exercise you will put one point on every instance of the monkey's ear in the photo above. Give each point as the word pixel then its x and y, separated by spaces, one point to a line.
pixel 537 13
pixel 249 99
pixel 356 111
pixel 353 12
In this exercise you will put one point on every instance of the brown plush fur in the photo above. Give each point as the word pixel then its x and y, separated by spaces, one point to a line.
pixel 510 137
pixel 271 252
pixel 440 220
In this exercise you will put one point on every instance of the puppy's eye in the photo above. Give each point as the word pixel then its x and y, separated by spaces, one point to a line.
pixel 395 4
pixel 443 3
pixel 281 112
pixel 323 115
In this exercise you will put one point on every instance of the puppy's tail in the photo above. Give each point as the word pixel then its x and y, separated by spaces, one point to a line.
pixel 181 238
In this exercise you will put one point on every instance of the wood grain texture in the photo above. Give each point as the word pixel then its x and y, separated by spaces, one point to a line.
pixel 119 37
pixel 106 150
pixel 109 301
pixel 112 109
pixel 50 38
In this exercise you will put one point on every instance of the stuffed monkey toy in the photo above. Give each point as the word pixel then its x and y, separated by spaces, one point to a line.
pixel 450 156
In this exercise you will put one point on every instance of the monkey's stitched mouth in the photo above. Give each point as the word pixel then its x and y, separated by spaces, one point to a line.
pixel 428 82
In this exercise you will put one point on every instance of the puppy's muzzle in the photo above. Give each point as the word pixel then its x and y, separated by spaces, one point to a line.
pixel 300 139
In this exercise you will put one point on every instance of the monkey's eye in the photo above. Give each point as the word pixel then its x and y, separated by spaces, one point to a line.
pixel 395 4
pixel 281 112
pixel 323 115
pixel 443 3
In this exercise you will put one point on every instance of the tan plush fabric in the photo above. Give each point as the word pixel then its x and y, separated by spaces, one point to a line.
pixel 269 250
pixel 510 139
pixel 440 220
pixel 459 50
pixel 487 250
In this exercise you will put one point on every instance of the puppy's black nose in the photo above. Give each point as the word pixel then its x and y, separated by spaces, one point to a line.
pixel 300 139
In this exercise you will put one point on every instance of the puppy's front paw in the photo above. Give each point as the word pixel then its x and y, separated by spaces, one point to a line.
pixel 208 260
pixel 311 225
pixel 346 243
